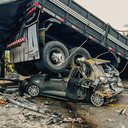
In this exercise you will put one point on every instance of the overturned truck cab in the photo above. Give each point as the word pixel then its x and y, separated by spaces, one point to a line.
pixel 92 80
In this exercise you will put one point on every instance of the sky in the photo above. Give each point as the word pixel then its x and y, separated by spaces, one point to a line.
pixel 114 12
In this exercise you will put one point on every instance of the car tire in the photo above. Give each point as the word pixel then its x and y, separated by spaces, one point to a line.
pixel 49 60
pixel 33 90
pixel 97 100
pixel 78 53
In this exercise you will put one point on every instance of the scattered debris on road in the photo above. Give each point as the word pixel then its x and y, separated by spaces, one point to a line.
pixel 124 112
pixel 28 112
pixel 3 101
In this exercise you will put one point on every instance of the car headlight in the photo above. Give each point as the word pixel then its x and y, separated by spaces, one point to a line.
pixel 103 79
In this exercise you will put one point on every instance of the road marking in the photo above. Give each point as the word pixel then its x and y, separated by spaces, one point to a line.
pixel 118 105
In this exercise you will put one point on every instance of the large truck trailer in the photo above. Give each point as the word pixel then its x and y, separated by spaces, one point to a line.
pixel 29 28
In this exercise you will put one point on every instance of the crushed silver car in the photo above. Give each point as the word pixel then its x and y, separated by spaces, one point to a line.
pixel 107 82
pixel 92 80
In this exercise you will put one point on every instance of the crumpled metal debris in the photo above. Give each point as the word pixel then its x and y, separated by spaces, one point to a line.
pixel 59 119
pixel 79 120
pixel 123 112
pixel 3 101
pixel 55 118
pixel 22 102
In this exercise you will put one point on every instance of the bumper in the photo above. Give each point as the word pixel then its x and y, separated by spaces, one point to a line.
pixel 118 91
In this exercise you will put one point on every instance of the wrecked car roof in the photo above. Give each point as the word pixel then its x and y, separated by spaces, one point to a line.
pixel 10 13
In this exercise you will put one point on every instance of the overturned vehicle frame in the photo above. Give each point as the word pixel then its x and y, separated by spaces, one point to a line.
pixel 92 80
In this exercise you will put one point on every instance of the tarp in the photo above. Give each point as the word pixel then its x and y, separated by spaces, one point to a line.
pixel 10 12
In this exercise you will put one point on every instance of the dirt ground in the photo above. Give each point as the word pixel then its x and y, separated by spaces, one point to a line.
pixel 63 114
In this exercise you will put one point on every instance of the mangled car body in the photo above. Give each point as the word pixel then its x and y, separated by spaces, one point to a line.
pixel 92 80
pixel 50 37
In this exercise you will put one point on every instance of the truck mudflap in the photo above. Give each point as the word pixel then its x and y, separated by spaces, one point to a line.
pixel 29 48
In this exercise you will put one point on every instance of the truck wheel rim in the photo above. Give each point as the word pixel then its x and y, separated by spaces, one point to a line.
pixel 78 57
pixel 33 90
pixel 57 56
pixel 97 100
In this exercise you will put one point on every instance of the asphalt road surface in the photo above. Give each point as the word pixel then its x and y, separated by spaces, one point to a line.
pixel 77 115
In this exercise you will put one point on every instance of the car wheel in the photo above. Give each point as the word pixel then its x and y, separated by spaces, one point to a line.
pixel 33 90
pixel 53 57
pixel 97 100
pixel 76 53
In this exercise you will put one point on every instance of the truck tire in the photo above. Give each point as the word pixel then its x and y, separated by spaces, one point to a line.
pixel 53 57
pixel 75 54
